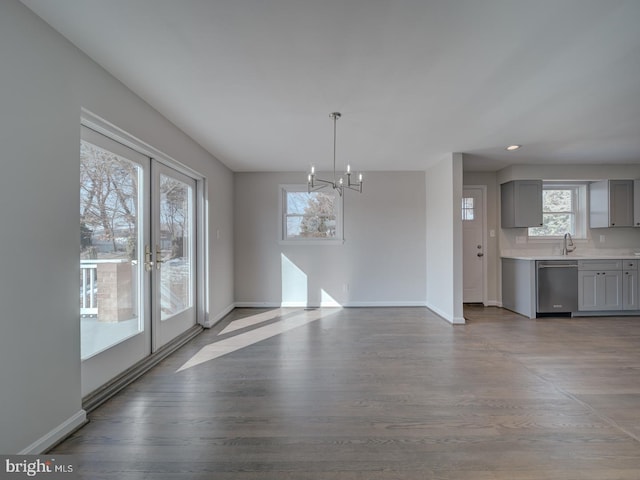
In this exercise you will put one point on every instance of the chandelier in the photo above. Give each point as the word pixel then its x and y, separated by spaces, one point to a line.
pixel 338 183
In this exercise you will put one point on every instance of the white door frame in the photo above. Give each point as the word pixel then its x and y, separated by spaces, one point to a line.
pixel 485 244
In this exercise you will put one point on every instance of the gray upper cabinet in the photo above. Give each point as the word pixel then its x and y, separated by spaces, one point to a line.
pixel 611 203
pixel 636 203
pixel 521 203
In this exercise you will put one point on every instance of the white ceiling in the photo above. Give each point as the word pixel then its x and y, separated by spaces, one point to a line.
pixel 254 81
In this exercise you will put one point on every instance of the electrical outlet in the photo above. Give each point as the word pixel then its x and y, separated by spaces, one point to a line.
pixel 602 238
pixel 492 233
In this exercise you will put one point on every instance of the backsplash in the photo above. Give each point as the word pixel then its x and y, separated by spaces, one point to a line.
pixel 600 241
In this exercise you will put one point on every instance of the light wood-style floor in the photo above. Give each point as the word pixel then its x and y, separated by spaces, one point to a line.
pixel 386 393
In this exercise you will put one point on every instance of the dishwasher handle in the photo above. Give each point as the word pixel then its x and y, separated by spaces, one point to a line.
pixel 558 266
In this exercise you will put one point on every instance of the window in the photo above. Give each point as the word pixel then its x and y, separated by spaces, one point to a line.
pixel 468 212
pixel 310 216
pixel 563 210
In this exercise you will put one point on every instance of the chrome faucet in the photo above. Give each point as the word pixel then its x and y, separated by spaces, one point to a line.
pixel 568 247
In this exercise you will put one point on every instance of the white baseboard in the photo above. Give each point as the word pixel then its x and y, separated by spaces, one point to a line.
pixel 257 305
pixel 56 435
pixel 212 321
pixel 391 303
pixel 492 303
pixel 446 316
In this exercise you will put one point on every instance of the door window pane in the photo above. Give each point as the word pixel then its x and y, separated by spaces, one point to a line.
pixel 468 212
pixel 109 259
pixel 174 251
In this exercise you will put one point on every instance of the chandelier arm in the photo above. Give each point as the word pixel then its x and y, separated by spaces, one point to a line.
pixel 326 182
pixel 335 120
pixel 317 187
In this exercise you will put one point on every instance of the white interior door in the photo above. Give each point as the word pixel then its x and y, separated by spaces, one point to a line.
pixel 473 245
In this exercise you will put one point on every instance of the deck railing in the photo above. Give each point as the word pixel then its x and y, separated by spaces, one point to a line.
pixel 88 288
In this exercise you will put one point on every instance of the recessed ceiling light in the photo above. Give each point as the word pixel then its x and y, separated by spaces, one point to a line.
pixel 511 148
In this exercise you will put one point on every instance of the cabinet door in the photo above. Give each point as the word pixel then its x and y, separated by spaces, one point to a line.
pixel 587 290
pixel 636 203
pixel 630 290
pixel 609 292
pixel 621 203
pixel 599 290
pixel 521 204
pixel 528 203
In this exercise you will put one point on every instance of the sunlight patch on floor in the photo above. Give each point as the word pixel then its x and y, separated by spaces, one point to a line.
pixel 255 319
pixel 242 340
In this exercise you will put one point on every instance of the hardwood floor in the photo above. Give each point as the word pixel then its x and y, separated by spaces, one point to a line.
pixel 386 393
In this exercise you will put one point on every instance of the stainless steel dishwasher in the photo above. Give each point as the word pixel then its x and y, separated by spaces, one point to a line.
pixel 557 282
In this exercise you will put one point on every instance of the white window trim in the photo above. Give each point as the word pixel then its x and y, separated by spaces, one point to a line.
pixel 282 240
pixel 581 209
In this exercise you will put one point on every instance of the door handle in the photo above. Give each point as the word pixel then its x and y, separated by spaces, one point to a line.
pixel 159 260
pixel 148 263
pixel 480 254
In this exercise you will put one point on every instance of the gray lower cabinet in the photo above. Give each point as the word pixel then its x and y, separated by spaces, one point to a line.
pixel 599 290
pixel 519 286
pixel 630 290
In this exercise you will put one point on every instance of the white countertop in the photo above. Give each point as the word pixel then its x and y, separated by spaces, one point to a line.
pixel 573 257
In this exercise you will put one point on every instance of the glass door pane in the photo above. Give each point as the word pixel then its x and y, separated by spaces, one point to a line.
pixel 174 243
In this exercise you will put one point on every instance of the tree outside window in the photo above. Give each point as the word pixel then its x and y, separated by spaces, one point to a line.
pixel 310 215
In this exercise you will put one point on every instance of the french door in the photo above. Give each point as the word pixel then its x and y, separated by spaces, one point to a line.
pixel 138 260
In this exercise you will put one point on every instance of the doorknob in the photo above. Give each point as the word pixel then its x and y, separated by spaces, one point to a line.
pixel 159 260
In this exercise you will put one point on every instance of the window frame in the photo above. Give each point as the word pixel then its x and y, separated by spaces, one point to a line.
pixel 282 210
pixel 579 209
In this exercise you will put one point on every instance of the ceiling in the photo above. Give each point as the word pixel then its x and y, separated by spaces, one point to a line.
pixel 254 81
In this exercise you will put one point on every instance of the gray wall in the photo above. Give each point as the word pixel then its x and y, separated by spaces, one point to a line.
pixel 44 83
pixel 382 260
